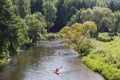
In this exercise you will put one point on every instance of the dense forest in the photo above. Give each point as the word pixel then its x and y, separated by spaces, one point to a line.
pixel 24 23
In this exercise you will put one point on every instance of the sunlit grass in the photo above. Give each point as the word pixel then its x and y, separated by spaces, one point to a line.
pixel 105 57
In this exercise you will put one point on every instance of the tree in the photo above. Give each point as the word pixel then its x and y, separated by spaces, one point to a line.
pixel 89 27
pixel 87 15
pixel 22 7
pixel 103 17
pixel 36 5
pixel 37 25
pixel 114 5
pixel 71 7
pixel 76 17
pixel 11 28
pixel 117 15
pixel 65 29
pixel 79 3
pixel 101 3
pixel 69 13
pixel 105 20
pixel 49 11
pixel 79 35
pixel 59 22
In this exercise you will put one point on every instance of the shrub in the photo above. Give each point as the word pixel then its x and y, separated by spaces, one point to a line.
pixel 109 72
pixel 2 64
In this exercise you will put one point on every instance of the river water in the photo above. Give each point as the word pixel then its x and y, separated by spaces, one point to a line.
pixel 40 63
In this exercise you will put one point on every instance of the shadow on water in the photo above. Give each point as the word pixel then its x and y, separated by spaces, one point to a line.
pixel 40 63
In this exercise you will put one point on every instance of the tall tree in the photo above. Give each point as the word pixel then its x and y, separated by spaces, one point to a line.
pixel 49 11
pixel 114 5
pixel 101 3
pixel 11 28
pixel 59 22
pixel 36 5
pixel 75 18
pixel 103 17
pixel 117 15
pixel 23 7
pixel 37 25
pixel 79 34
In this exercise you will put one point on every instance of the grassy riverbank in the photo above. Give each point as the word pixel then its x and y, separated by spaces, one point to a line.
pixel 104 58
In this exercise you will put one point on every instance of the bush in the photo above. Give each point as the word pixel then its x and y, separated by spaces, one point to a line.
pixel 2 64
pixel 2 55
pixel 109 72
pixel 84 47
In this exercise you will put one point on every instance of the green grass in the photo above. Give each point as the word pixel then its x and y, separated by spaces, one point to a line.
pixel 104 58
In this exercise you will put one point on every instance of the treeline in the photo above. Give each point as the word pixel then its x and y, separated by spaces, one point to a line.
pixel 25 22
pixel 19 29
pixel 58 13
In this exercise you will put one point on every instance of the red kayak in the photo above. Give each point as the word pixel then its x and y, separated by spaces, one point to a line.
pixel 57 71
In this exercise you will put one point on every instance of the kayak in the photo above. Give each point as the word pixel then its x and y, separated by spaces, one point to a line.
pixel 57 71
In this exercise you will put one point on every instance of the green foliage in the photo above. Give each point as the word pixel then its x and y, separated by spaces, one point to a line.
pixel 22 7
pixel 103 17
pixel 117 15
pixel 109 72
pixel 79 35
pixel 84 48
pixel 90 27
pixel 114 5
pixel 101 3
pixel 79 3
pixel 49 11
pixel 55 2
pixel 104 37
pixel 37 25
pixel 71 7
pixel 75 18
pixel 65 29
pixel 11 28
pixel 106 62
pixel 36 5
pixel 2 64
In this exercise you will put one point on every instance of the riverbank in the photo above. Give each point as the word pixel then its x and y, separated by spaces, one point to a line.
pixel 3 63
pixel 104 58
pixel 47 38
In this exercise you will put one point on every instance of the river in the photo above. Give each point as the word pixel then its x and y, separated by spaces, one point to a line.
pixel 40 63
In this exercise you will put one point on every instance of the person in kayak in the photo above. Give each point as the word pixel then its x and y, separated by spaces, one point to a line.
pixel 57 71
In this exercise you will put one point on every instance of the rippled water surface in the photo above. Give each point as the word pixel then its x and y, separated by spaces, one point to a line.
pixel 41 62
